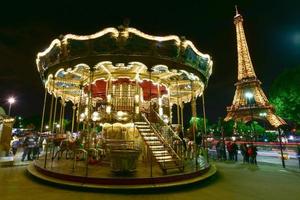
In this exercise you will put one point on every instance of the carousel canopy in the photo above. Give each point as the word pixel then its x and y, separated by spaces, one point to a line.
pixel 72 62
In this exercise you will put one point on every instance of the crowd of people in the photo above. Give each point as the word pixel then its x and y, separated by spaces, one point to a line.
pixel 31 145
pixel 248 151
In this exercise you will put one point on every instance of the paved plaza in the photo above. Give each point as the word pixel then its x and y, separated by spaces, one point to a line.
pixel 233 181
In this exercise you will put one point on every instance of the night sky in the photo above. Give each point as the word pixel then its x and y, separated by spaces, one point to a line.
pixel 272 32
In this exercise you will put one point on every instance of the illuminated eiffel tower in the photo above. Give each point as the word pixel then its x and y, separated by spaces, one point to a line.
pixel 249 102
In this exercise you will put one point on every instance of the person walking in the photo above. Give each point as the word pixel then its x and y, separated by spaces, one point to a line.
pixel 28 145
pixel 229 149
pixel 223 151
pixel 36 148
pixel 244 152
pixel 252 151
pixel 15 145
pixel 234 151
pixel 25 148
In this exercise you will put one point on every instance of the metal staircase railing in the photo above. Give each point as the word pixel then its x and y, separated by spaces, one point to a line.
pixel 178 161
pixel 170 135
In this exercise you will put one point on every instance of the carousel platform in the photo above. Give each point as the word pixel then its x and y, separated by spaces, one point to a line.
pixel 6 161
pixel 100 176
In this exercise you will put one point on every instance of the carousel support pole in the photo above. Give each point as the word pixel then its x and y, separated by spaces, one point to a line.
pixel 107 89
pixel 53 128
pixel 42 124
pixel 79 107
pixel 51 108
pixel 204 125
pixel 46 153
pixel 51 112
pixel 54 116
pixel 44 108
pixel 137 101
pixel 73 118
pixel 63 118
pixel 170 107
pixel 49 124
pixel 159 100
pixel 60 114
pixel 150 94
pixel 182 127
pixel 89 121
pixel 77 117
pixel 181 110
pixel 194 114
pixel 178 106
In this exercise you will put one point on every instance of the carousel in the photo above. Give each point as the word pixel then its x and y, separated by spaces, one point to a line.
pixel 121 86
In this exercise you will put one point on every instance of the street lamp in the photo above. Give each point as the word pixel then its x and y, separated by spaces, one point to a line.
pixel 11 100
pixel 249 97
pixel 264 115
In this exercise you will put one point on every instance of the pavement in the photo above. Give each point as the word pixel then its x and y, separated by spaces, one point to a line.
pixel 269 157
pixel 232 181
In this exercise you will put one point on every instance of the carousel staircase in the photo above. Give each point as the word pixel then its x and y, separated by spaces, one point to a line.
pixel 162 152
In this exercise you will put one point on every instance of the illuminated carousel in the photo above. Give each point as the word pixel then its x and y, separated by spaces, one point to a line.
pixel 121 84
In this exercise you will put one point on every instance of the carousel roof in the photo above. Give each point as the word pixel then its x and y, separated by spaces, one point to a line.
pixel 171 64
pixel 123 45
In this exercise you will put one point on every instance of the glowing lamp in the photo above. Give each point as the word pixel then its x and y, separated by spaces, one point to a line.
pixel 137 110
pixel 95 116
pixel 108 109
pixel 137 98
pixel 82 117
pixel 249 95
pixel 11 100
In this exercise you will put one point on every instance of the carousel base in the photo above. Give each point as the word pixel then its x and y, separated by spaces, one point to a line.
pixel 6 161
pixel 111 181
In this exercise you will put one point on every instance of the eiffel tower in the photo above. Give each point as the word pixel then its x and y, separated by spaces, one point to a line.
pixel 249 102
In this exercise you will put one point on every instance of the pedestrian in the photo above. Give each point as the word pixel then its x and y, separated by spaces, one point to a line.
pixel 14 145
pixel 223 150
pixel 252 152
pixel 244 152
pixel 25 148
pixel 229 150
pixel 29 144
pixel 234 151
pixel 36 147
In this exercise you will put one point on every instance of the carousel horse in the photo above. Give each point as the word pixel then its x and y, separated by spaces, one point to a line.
pixel 67 146
pixel 178 146
pixel 190 149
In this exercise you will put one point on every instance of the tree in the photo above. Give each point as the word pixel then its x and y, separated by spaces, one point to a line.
pixel 199 123
pixel 228 128
pixel 285 94
pixel 33 122
pixel 249 130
